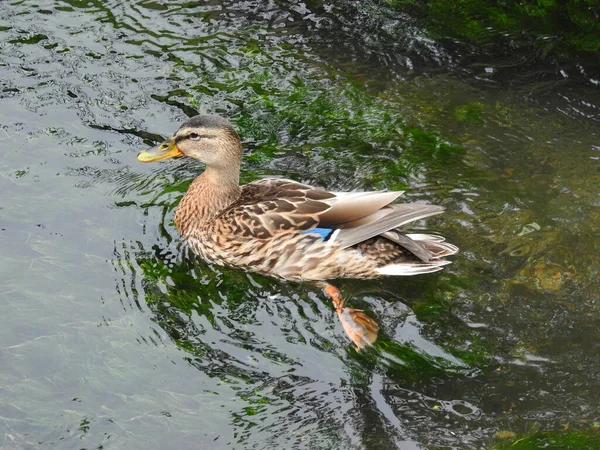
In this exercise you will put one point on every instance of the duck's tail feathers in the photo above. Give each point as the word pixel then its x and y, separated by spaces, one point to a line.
pixel 412 268
pixel 436 245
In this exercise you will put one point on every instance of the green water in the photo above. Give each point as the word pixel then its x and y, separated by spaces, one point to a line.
pixel 112 334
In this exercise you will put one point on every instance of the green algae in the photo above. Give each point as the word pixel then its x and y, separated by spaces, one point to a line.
pixel 564 440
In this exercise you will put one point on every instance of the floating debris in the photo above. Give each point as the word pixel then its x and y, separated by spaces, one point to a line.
pixel 529 228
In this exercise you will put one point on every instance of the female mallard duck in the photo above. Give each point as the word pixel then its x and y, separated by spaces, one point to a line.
pixel 289 230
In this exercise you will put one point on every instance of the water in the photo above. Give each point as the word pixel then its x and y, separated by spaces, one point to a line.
pixel 113 335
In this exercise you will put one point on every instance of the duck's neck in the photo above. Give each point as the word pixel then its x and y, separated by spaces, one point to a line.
pixel 207 196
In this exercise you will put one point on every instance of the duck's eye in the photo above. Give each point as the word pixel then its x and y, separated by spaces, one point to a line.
pixel 194 136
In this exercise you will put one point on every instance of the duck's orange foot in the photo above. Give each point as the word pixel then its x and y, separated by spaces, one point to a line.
pixel 359 327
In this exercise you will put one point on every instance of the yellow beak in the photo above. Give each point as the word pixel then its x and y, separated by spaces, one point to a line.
pixel 165 150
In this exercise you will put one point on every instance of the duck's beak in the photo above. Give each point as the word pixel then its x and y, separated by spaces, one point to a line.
pixel 165 150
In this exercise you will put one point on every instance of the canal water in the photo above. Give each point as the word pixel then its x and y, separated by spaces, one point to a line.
pixel 113 335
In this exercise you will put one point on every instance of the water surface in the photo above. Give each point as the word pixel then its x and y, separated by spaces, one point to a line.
pixel 114 335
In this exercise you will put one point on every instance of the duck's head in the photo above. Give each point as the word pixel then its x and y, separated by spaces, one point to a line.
pixel 209 139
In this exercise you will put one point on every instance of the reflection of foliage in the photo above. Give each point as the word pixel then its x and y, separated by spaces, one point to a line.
pixel 470 113
pixel 547 24
pixel 211 314
pixel 326 118
pixel 344 124
pixel 193 290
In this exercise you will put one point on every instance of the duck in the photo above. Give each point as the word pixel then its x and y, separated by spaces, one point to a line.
pixel 289 230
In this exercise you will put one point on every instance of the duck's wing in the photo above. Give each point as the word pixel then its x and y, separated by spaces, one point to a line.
pixel 348 207
pixel 272 206
pixel 269 207
pixel 384 220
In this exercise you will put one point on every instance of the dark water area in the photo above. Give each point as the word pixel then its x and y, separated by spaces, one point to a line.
pixel 113 335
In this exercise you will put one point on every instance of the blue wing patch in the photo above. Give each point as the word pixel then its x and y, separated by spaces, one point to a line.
pixel 325 233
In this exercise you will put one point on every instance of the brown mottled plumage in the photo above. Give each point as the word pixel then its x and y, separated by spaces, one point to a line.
pixel 293 231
